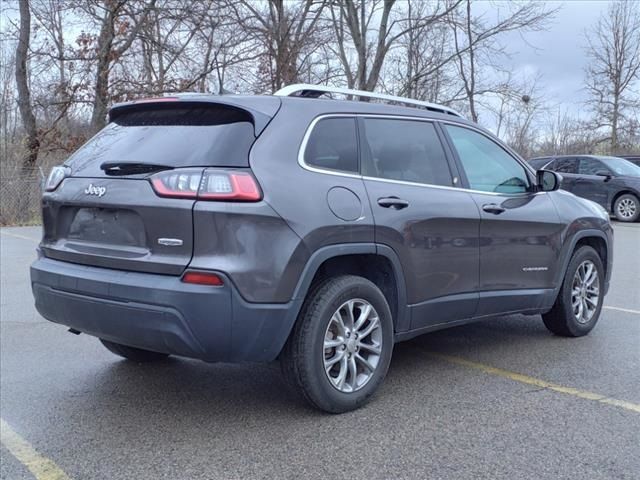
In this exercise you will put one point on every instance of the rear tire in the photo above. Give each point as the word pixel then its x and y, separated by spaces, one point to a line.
pixel 134 354
pixel 336 359
pixel 626 208
pixel 577 308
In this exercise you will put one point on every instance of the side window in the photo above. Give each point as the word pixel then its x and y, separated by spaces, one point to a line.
pixel 333 145
pixel 565 165
pixel 488 166
pixel 590 166
pixel 405 150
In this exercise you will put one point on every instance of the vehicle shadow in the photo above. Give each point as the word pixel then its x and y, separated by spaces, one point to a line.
pixel 198 391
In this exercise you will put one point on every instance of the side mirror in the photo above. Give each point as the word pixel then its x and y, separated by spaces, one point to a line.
pixel 604 173
pixel 548 181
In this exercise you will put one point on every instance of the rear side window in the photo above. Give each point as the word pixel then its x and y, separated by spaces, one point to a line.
pixel 333 145
pixel 178 135
pixel 405 150
pixel 565 165
pixel 591 166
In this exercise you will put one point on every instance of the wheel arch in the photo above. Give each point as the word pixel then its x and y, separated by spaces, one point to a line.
pixel 596 239
pixel 377 263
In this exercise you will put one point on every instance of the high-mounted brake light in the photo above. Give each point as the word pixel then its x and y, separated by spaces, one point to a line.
pixel 156 100
pixel 210 184
pixel 202 278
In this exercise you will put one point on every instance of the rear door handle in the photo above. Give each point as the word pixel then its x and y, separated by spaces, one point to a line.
pixel 393 202
pixel 493 208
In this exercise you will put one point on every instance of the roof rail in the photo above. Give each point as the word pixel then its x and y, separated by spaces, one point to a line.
pixel 315 91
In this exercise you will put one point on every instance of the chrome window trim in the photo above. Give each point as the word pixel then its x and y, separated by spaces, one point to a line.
pixel 338 173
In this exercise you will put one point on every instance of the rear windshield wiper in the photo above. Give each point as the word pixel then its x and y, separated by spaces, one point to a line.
pixel 132 168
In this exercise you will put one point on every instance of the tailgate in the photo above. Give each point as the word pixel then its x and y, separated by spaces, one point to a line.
pixel 117 223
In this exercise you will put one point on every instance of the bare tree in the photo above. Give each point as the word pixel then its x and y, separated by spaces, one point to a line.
pixel 475 47
pixel 118 29
pixel 288 33
pixel 22 84
pixel 353 23
pixel 424 48
pixel 613 47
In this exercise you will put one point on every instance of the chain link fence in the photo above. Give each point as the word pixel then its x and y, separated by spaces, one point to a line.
pixel 20 194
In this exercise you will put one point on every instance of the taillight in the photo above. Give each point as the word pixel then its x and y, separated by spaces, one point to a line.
pixel 210 184
pixel 202 278
pixel 180 183
pixel 55 177
pixel 229 185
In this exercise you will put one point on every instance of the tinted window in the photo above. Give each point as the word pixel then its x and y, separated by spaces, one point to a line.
pixel 539 163
pixel 333 145
pixel 405 150
pixel 488 166
pixel 621 167
pixel 565 165
pixel 590 166
pixel 177 136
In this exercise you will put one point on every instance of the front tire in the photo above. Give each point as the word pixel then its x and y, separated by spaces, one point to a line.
pixel 626 208
pixel 340 348
pixel 134 354
pixel 577 308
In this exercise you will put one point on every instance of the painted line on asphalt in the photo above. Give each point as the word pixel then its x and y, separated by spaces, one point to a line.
pixel 620 309
pixel 518 377
pixel 41 467
pixel 17 235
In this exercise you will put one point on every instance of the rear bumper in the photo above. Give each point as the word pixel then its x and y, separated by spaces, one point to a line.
pixel 161 313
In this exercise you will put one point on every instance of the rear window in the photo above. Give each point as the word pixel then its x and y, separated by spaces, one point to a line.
pixel 190 135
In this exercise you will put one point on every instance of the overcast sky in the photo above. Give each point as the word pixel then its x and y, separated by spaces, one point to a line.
pixel 559 55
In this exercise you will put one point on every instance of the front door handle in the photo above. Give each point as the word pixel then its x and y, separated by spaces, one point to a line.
pixel 493 208
pixel 393 202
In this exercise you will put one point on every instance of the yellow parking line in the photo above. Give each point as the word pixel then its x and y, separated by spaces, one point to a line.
pixel 17 235
pixel 41 467
pixel 518 377
pixel 620 309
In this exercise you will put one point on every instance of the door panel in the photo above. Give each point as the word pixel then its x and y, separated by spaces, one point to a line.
pixel 519 230
pixel 519 246
pixel 434 230
pixel 436 239
pixel 589 185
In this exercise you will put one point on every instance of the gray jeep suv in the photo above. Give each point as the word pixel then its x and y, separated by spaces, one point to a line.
pixel 314 231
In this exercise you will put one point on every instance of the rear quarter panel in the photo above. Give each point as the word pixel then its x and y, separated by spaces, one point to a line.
pixel 299 196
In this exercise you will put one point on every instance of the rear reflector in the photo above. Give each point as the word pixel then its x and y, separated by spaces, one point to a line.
pixel 210 184
pixel 202 278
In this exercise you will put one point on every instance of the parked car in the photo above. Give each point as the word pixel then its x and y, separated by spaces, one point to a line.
pixel 314 231
pixel 611 182
pixel 635 159
pixel 539 162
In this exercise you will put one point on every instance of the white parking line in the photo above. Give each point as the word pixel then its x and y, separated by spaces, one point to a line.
pixel 620 309
pixel 16 235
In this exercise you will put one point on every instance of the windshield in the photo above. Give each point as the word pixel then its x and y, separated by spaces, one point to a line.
pixel 621 166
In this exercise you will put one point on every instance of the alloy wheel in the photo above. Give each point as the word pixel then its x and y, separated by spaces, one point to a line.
pixel 585 292
pixel 352 345
pixel 627 208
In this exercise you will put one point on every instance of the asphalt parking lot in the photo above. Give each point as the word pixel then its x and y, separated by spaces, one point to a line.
pixel 503 399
